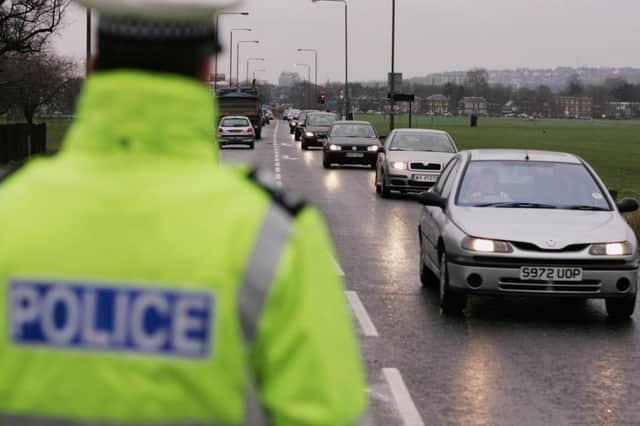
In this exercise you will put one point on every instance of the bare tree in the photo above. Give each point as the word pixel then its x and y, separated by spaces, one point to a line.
pixel 477 80
pixel 25 25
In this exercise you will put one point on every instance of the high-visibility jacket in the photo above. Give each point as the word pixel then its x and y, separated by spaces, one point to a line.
pixel 143 283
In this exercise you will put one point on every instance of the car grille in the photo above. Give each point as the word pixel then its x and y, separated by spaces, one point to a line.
pixel 533 247
pixel 425 166
pixel 538 286
pixel 516 262
pixel 350 148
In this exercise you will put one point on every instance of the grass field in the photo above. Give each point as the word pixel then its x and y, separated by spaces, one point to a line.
pixel 611 147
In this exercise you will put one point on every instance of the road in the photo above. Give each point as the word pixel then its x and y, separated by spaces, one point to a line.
pixel 504 362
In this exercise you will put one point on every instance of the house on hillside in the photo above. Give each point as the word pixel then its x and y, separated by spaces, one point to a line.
pixel 574 107
pixel 473 105
pixel 437 105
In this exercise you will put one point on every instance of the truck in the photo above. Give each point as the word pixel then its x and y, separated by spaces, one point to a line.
pixel 244 101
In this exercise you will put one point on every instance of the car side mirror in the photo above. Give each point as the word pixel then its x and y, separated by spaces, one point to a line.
pixel 628 205
pixel 429 198
pixel 614 193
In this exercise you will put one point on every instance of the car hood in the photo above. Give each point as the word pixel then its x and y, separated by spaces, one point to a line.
pixel 540 226
pixel 420 157
pixel 354 141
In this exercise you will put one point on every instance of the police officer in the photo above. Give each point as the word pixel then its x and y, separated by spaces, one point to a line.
pixel 142 283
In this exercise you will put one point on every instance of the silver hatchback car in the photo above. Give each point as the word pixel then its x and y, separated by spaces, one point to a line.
pixel 533 223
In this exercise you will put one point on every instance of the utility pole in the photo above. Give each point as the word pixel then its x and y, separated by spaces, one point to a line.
pixel 392 88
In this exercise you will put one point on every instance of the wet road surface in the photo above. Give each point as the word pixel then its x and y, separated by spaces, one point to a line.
pixel 504 362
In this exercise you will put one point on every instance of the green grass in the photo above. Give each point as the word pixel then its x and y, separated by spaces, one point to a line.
pixel 611 147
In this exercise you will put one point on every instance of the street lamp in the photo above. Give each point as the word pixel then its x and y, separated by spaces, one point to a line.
pixel 238 58
pixel 248 61
pixel 306 91
pixel 346 50
pixel 315 51
pixel 215 59
pixel 231 53
pixel 392 84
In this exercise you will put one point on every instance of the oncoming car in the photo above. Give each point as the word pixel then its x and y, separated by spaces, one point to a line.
pixel 351 142
pixel 412 160
pixel 236 130
pixel 527 223
pixel 316 129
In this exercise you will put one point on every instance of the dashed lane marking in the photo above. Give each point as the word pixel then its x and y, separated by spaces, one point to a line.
pixel 361 315
pixel 276 156
pixel 406 407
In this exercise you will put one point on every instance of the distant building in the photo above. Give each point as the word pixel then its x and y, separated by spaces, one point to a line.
pixel 623 110
pixel 437 105
pixel 510 109
pixel 574 107
pixel 473 105
pixel 289 79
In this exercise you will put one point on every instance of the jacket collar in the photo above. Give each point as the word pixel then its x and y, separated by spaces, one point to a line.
pixel 131 112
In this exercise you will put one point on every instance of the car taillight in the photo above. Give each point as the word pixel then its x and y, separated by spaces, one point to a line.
pixel 250 130
pixel 221 130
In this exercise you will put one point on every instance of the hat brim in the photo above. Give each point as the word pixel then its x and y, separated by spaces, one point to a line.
pixel 173 10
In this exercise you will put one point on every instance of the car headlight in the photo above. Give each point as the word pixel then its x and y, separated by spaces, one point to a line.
pixel 482 245
pixel 398 165
pixel 335 147
pixel 309 134
pixel 372 148
pixel 611 249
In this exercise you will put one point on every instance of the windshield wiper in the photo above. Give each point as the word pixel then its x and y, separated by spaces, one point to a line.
pixel 517 205
pixel 586 208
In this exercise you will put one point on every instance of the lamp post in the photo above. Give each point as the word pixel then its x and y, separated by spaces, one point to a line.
pixel 238 58
pixel 392 84
pixel 315 51
pixel 306 89
pixel 215 59
pixel 248 61
pixel 231 53
pixel 346 51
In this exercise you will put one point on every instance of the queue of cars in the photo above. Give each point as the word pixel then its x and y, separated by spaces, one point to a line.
pixel 499 222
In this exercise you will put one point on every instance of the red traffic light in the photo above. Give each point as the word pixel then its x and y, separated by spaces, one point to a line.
pixel 322 98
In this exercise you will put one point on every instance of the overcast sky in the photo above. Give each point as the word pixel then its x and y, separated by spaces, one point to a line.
pixel 432 36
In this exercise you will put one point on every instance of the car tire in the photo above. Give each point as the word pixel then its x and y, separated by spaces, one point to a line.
pixel 251 145
pixel 384 191
pixel 259 133
pixel 426 276
pixel 297 136
pixel 377 185
pixel 325 162
pixel 290 131
pixel 305 147
pixel 620 308
pixel 451 302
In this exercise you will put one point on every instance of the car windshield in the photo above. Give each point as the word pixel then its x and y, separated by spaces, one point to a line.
pixel 353 131
pixel 530 184
pixel 322 120
pixel 437 142
pixel 235 122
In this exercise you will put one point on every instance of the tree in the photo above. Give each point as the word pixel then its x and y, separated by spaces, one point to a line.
pixel 574 86
pixel 25 25
pixel 31 81
pixel 477 80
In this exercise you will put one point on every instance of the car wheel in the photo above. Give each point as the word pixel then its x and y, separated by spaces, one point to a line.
pixel 305 147
pixel 297 136
pixel 325 162
pixel 251 145
pixel 620 308
pixel 384 190
pixel 290 131
pixel 377 184
pixel 450 301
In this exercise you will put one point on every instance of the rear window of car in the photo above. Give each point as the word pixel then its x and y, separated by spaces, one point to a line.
pixel 235 122
pixel 322 120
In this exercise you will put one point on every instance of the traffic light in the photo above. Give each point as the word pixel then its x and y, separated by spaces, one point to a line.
pixel 322 99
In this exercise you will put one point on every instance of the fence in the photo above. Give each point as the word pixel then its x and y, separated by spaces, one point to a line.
pixel 17 141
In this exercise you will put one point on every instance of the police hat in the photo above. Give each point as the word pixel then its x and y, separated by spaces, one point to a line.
pixel 157 20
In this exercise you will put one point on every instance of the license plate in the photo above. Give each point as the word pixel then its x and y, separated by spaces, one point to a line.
pixel 235 131
pixel 355 155
pixel 425 178
pixel 550 274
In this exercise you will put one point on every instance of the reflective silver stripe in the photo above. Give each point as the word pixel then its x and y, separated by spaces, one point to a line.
pixel 13 420
pixel 261 269
pixel 252 296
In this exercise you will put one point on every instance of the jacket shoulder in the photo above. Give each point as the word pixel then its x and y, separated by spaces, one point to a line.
pixel 289 201
pixel 10 171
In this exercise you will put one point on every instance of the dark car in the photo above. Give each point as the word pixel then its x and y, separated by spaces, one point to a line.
pixel 351 142
pixel 302 117
pixel 316 128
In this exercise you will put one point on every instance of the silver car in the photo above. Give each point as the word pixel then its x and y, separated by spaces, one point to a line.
pixel 236 130
pixel 535 223
pixel 412 160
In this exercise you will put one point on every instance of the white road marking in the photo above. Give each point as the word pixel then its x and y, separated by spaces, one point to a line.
pixel 361 315
pixel 408 411
pixel 276 155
